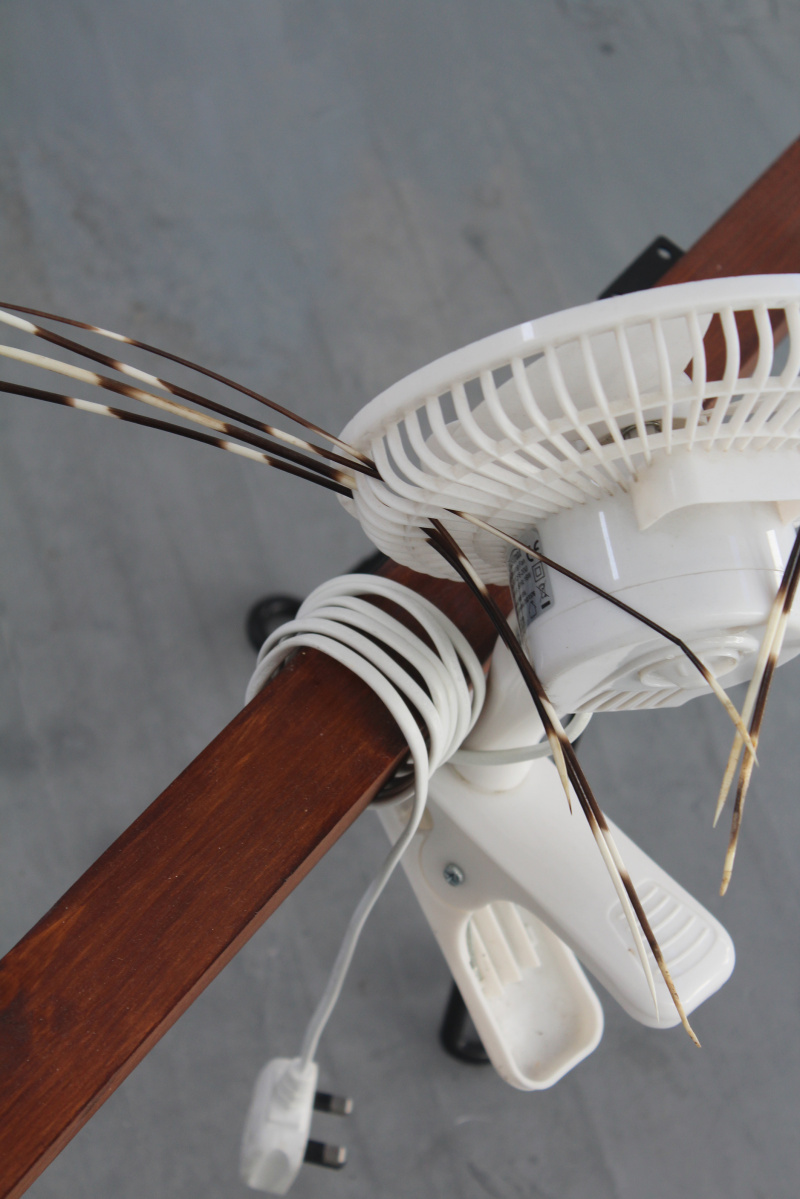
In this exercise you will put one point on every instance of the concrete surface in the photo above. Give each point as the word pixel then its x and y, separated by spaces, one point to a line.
pixel 317 198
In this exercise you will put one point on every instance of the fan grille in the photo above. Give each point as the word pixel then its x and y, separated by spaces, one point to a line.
pixel 576 406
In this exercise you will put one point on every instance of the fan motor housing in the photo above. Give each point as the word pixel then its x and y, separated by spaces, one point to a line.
pixel 706 573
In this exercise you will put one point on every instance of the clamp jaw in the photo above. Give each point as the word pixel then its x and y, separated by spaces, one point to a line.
pixel 518 898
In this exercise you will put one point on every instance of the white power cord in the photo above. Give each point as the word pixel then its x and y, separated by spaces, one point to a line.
pixel 524 753
pixel 353 631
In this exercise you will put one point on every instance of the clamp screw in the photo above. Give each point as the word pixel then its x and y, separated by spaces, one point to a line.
pixel 453 874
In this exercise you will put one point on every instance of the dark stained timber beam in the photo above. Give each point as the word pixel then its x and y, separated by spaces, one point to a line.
pixel 92 987
pixel 758 235
pixel 104 974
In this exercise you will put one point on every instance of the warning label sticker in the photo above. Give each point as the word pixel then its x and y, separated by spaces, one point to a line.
pixel 529 581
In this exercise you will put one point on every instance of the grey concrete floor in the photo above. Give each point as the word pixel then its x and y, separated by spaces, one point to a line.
pixel 317 198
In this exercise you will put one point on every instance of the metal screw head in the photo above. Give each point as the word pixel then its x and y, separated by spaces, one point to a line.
pixel 453 874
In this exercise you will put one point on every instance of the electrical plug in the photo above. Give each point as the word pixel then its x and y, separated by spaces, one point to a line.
pixel 276 1141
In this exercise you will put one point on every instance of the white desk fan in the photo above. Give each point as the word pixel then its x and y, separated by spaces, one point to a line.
pixel 596 435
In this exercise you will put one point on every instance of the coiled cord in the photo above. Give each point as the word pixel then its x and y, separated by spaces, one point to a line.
pixel 337 620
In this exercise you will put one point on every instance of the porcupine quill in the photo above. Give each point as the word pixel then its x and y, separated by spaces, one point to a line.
pixel 52 397
pixel 124 368
pixel 82 375
pixel 773 621
pixel 442 541
pixel 756 701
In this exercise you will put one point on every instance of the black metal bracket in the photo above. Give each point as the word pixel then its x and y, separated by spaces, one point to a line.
pixel 457 1033
pixel 646 270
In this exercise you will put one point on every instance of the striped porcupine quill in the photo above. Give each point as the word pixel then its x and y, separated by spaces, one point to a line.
pixel 570 772
pixel 755 704
pixel 125 369
pixel 243 451
pixel 155 381
pixel 274 448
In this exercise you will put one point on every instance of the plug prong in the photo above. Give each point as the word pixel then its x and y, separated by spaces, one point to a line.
pixel 335 1105
pixel 320 1154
